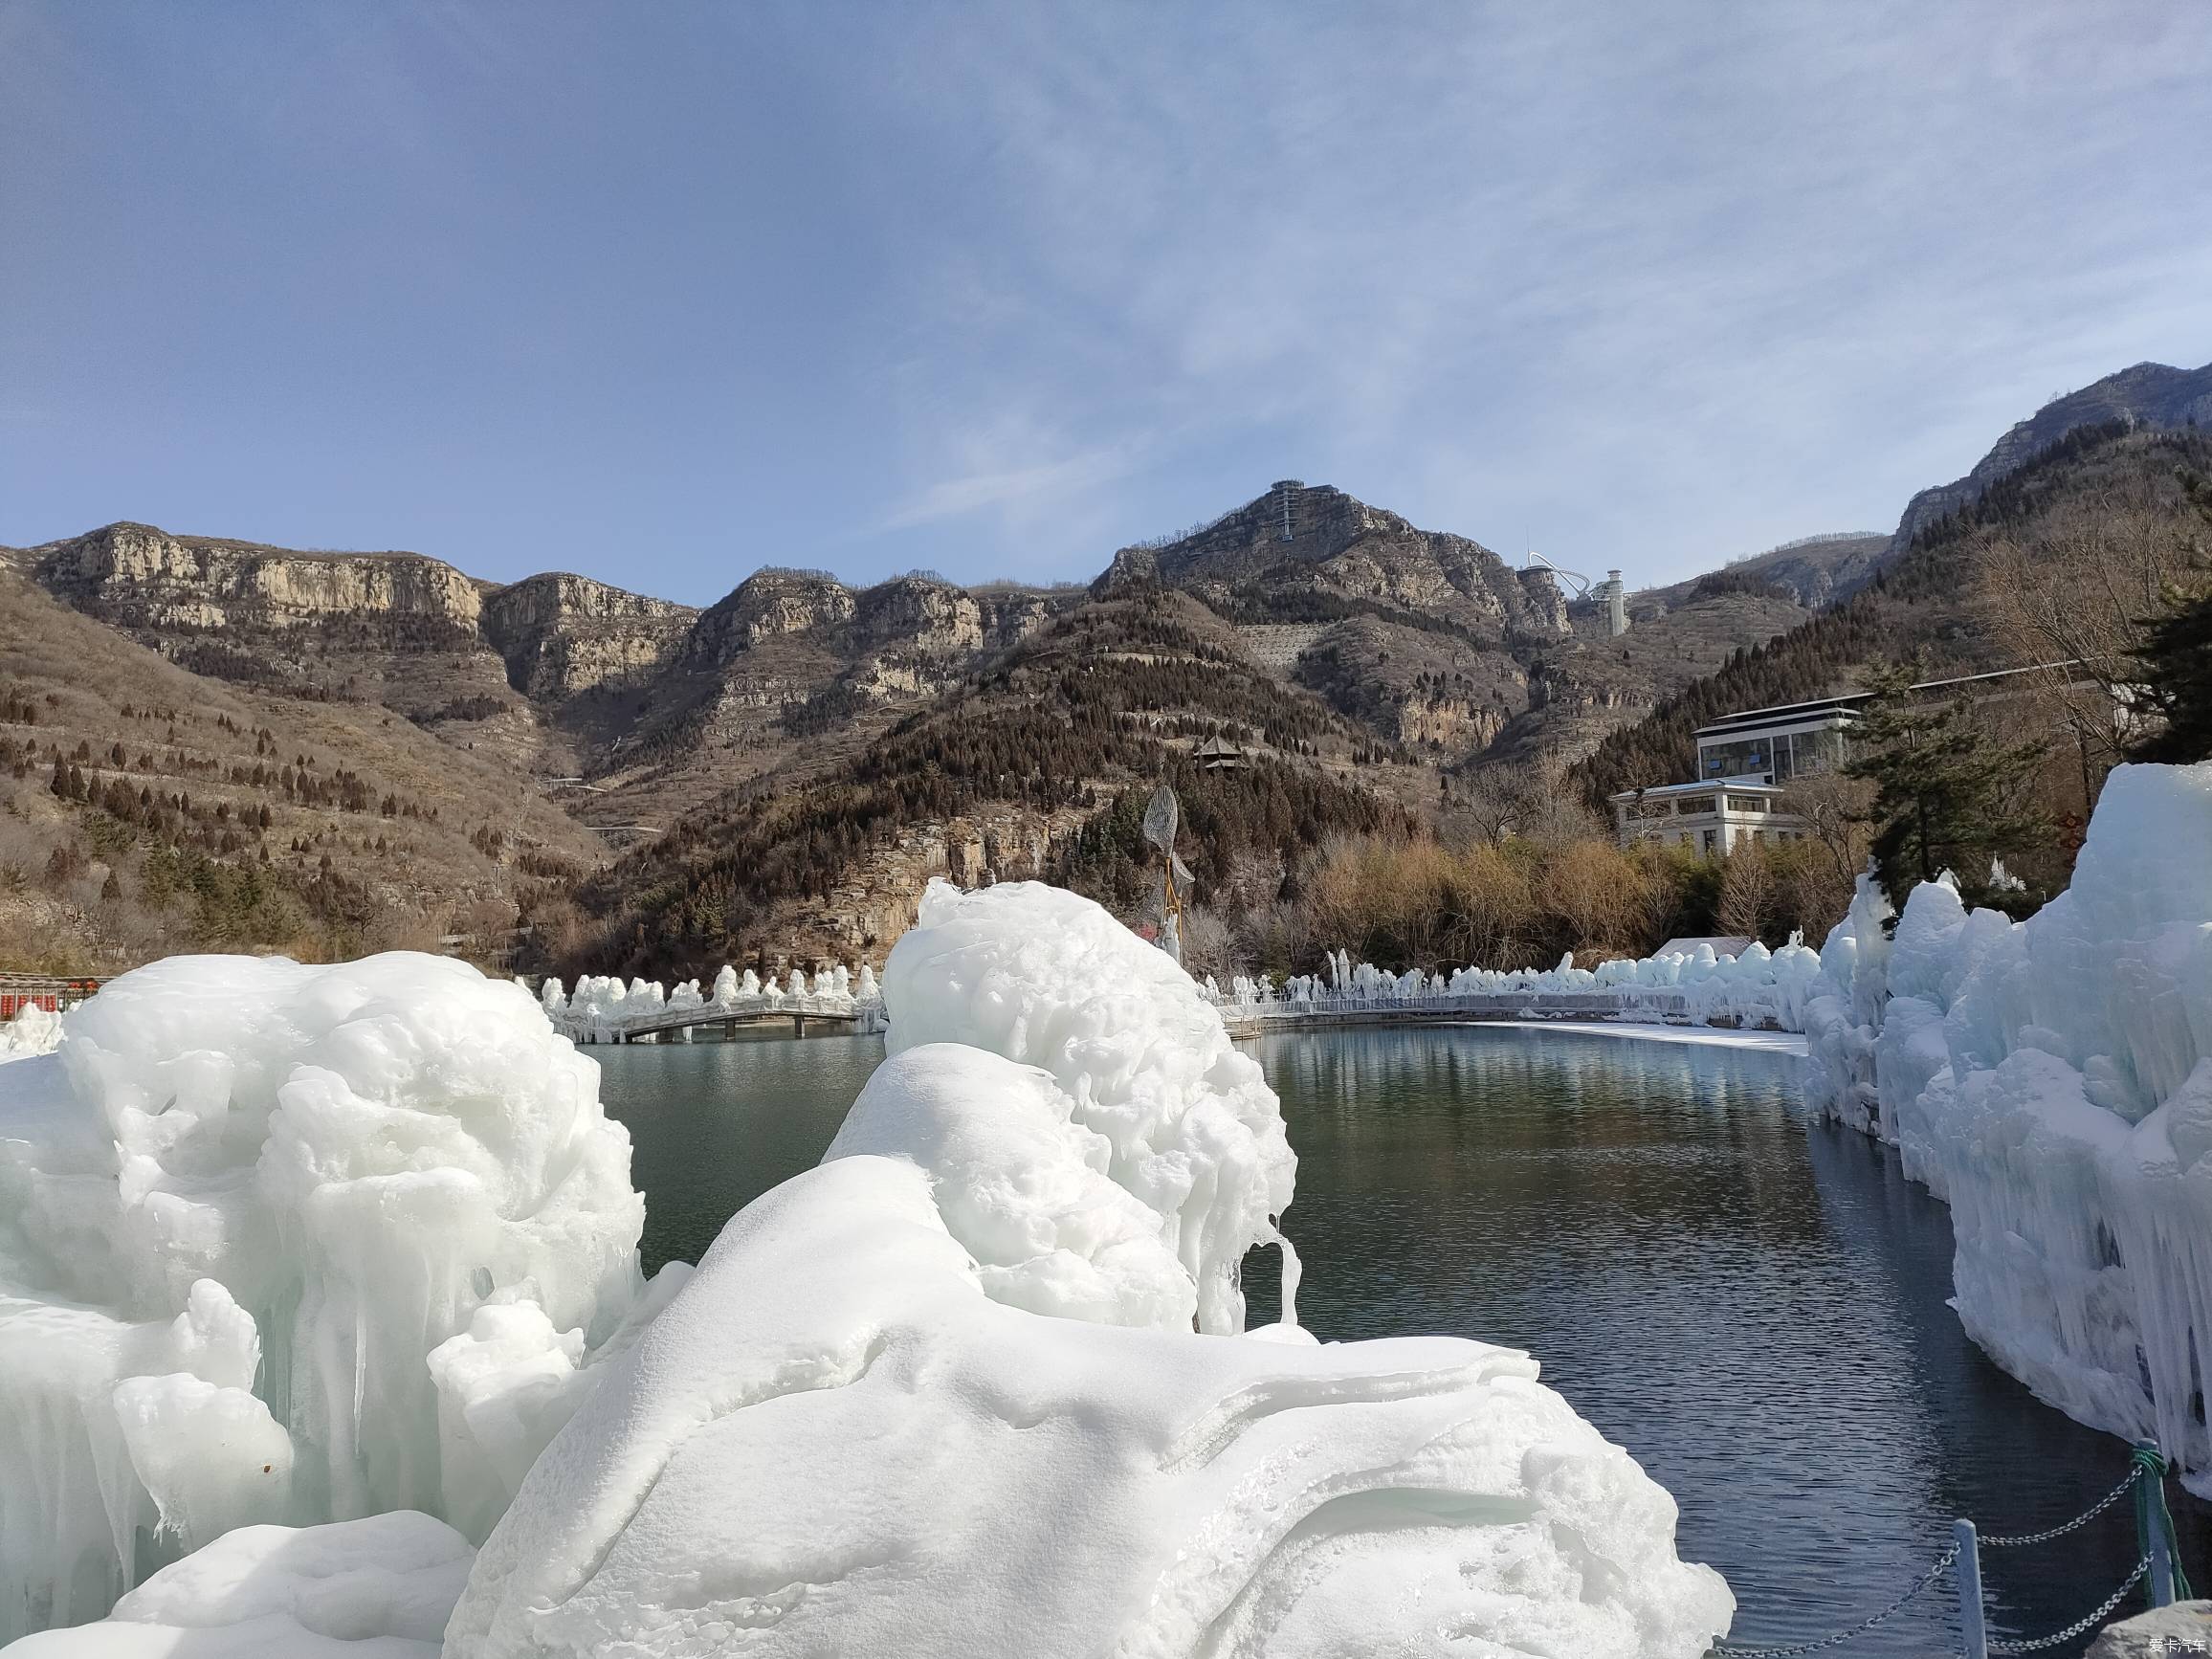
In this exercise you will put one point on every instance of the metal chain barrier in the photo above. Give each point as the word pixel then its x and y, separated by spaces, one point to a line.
pixel 2081 1626
pixel 2145 1468
pixel 1942 1565
pixel 2083 1519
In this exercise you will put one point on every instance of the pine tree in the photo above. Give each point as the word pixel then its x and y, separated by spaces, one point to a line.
pixel 2176 681
pixel 2176 656
pixel 1947 795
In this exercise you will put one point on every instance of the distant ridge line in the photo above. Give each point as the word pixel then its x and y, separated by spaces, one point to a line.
pixel 1822 540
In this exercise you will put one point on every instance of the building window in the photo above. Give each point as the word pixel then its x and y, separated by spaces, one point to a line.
pixel 1744 758
pixel 1747 803
pixel 1689 805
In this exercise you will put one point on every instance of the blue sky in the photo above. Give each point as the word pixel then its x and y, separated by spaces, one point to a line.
pixel 662 293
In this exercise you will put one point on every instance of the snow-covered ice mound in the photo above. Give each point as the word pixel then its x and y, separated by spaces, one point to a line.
pixel 1043 977
pixel 251 1215
pixel 378 1588
pixel 834 1442
pixel 941 1395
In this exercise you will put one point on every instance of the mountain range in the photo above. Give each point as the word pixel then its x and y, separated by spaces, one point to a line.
pixel 620 779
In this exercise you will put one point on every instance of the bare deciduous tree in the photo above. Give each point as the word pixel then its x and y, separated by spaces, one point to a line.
pixel 1747 886
pixel 2076 594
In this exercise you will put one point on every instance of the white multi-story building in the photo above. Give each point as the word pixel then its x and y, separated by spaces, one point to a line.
pixel 1743 761
pixel 1709 819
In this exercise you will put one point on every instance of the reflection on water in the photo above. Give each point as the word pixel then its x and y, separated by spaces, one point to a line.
pixel 713 1125
pixel 1757 1313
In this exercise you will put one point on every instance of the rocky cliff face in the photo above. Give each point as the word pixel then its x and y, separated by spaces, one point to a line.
pixel 560 634
pixel 909 728
pixel 766 604
pixel 135 574
pixel 1300 547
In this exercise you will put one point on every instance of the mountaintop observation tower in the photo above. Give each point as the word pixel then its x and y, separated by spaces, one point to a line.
pixel 1288 489
pixel 1615 593
pixel 1612 592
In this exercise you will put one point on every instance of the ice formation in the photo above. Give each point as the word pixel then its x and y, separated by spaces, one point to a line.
pixel 33 1030
pixel 1043 977
pixel 242 1206
pixel 1760 988
pixel 941 1395
pixel 1061 1237
pixel 602 1010
pixel 2052 1080
pixel 836 1442
pixel 376 1588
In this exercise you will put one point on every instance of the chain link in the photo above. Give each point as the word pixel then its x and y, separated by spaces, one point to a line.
pixel 2080 1625
pixel 2083 1519
pixel 1942 1565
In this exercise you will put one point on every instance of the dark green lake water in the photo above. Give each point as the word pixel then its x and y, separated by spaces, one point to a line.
pixel 1757 1312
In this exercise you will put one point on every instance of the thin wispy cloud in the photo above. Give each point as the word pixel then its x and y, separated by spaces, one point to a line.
pixel 1049 484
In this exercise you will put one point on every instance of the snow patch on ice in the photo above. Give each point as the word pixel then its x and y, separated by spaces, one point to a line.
pixel 377 1589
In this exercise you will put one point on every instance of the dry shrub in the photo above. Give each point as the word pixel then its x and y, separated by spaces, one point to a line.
pixel 1596 895
pixel 1493 906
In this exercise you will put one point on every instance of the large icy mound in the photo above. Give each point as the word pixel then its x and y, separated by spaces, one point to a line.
pixel 941 1395
pixel 281 1243
pixel 2052 1080
pixel 1041 976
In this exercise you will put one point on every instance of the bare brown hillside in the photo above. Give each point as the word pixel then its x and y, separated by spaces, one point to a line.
pixel 197 813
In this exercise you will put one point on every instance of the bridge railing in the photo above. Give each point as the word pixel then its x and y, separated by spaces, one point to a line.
pixel 621 1026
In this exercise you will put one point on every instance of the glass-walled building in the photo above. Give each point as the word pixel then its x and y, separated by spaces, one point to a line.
pixel 1774 745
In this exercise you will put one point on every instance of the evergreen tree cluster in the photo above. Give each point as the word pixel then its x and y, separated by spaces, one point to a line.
pixel 1948 795
pixel 2175 684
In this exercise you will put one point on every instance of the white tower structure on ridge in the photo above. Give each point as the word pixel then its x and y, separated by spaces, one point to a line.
pixel 1616 597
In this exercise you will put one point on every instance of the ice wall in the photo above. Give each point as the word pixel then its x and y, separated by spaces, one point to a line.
pixel 2052 1080
pixel 601 1009
pixel 240 1206
pixel 1760 988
